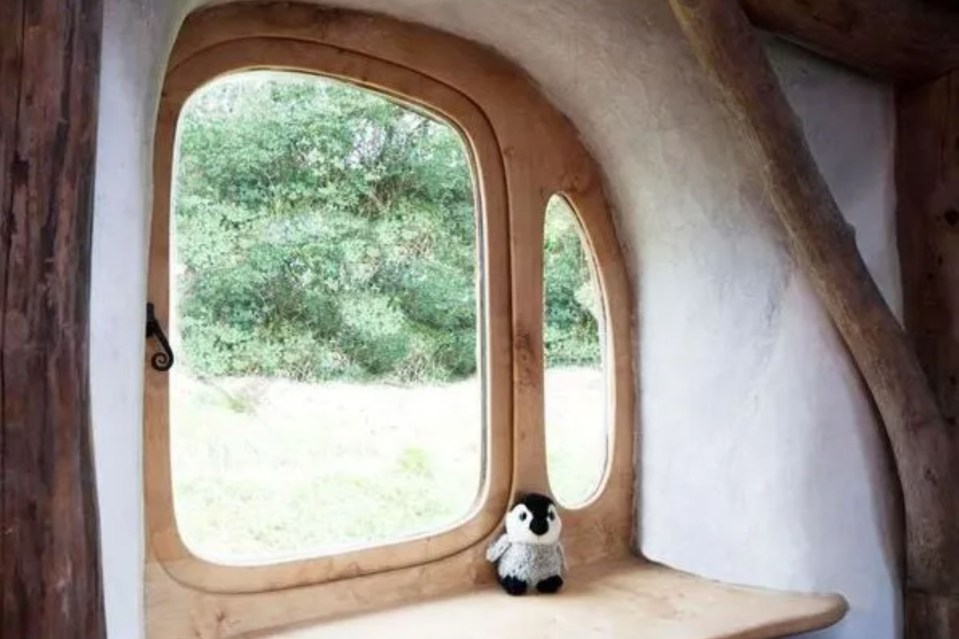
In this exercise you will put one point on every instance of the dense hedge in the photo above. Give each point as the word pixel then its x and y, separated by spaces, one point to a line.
pixel 324 232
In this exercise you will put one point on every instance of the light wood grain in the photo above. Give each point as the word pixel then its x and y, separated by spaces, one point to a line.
pixel 619 600
pixel 166 545
pixel 524 151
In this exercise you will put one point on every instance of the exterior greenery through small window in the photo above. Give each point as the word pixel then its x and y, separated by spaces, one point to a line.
pixel 577 430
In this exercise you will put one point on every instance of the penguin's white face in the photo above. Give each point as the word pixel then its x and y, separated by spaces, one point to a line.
pixel 533 522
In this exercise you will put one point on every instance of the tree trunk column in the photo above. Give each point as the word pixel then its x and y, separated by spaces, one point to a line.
pixel 927 181
pixel 49 538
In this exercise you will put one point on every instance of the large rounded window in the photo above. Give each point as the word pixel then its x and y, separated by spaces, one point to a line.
pixel 327 393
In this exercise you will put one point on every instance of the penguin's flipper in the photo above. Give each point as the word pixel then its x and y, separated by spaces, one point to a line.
pixel 497 548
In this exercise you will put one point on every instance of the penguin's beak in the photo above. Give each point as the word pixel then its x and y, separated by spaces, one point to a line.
pixel 539 525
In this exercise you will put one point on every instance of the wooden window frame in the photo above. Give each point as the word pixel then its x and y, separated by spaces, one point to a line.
pixel 408 86
pixel 523 152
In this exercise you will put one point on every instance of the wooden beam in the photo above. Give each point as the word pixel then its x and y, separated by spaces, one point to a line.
pixel 901 40
pixel 49 547
pixel 925 450
pixel 927 182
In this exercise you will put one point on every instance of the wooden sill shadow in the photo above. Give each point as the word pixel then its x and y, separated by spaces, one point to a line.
pixel 613 600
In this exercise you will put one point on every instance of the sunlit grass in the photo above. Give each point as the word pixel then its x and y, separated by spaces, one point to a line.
pixel 271 469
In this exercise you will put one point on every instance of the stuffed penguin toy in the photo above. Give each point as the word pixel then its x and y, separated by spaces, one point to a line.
pixel 529 554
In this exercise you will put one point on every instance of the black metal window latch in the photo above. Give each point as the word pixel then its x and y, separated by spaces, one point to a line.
pixel 163 360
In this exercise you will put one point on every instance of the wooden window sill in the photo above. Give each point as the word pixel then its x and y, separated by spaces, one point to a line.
pixel 626 598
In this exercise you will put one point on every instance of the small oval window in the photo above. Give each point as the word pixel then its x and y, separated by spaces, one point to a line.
pixel 577 435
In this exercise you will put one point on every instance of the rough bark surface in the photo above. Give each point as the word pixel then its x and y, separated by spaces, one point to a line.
pixel 927 181
pixel 931 616
pixel 923 445
pixel 49 547
pixel 904 40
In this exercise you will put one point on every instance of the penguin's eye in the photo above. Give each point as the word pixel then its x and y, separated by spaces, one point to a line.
pixel 552 515
pixel 522 516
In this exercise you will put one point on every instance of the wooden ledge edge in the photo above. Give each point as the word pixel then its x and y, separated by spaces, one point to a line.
pixel 612 599
pixel 831 607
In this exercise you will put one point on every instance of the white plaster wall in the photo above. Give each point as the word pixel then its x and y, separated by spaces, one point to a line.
pixel 850 123
pixel 761 457
pixel 760 460
pixel 137 35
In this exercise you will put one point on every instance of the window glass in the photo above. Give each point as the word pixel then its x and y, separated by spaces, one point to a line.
pixel 575 399
pixel 327 393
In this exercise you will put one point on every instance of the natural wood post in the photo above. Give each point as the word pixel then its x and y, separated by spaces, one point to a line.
pixel 49 542
pixel 927 184
pixel 924 449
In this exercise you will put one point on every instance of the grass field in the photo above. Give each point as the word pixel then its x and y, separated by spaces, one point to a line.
pixel 266 469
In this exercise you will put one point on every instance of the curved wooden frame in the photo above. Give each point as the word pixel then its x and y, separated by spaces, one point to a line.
pixel 166 543
pixel 607 349
pixel 524 152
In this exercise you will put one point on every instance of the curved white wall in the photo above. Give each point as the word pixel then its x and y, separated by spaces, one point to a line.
pixel 760 455
pixel 137 35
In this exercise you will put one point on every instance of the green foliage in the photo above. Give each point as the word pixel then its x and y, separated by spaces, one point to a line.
pixel 325 232
pixel 573 309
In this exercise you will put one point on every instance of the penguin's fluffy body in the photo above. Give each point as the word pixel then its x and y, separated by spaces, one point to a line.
pixel 529 554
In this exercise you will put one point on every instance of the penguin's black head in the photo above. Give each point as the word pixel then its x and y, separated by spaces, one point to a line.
pixel 533 520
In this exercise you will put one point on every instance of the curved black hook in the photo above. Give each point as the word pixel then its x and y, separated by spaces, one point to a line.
pixel 162 361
